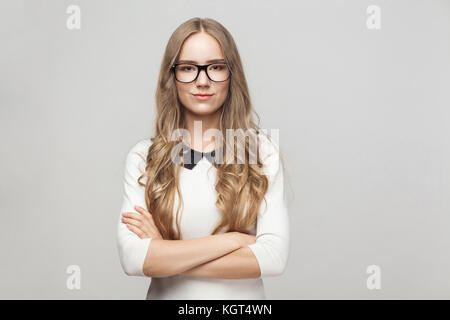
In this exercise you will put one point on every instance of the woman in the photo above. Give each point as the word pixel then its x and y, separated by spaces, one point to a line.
pixel 193 217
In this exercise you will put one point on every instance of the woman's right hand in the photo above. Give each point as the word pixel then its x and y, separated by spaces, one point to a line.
pixel 141 223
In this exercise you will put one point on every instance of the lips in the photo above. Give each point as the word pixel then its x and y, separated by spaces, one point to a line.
pixel 202 97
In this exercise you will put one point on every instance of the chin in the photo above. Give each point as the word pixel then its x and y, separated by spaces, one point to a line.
pixel 202 109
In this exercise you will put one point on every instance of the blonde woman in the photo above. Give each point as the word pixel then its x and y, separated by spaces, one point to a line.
pixel 196 218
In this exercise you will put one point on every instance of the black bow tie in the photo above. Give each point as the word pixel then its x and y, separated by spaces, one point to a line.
pixel 192 157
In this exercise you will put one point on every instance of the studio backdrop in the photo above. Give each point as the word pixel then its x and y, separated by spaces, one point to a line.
pixel 359 91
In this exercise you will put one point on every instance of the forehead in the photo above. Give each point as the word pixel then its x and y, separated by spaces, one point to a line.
pixel 201 48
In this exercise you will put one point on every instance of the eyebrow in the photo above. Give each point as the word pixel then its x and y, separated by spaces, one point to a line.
pixel 209 61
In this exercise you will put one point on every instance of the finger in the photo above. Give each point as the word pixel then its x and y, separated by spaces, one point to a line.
pixel 132 215
pixel 142 211
pixel 134 222
pixel 136 230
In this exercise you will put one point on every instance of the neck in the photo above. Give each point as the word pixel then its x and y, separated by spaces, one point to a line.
pixel 196 125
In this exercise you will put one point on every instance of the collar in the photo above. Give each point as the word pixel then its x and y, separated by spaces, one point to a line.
pixel 191 157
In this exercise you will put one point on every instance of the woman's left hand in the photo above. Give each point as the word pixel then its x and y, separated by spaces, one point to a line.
pixel 141 223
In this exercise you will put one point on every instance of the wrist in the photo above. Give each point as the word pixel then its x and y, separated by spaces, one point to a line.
pixel 237 239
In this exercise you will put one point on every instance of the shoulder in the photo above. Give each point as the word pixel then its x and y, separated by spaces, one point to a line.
pixel 268 145
pixel 140 148
pixel 269 152
pixel 137 153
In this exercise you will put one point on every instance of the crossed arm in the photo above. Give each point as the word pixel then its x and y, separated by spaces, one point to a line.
pixel 216 256
pixel 239 264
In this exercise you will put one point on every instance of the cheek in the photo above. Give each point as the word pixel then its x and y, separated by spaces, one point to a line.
pixel 183 93
pixel 223 91
pixel 181 89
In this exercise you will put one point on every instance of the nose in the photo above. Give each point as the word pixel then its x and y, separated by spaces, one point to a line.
pixel 202 79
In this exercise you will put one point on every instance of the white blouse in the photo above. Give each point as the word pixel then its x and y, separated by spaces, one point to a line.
pixel 198 218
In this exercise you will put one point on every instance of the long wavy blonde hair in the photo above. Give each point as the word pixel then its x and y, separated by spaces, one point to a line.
pixel 240 186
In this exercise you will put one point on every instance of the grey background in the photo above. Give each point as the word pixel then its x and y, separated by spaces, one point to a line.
pixel 363 118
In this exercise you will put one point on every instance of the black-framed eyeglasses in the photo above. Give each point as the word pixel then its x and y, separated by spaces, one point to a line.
pixel 188 72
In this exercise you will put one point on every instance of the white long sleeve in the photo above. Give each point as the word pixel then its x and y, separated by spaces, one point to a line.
pixel 272 236
pixel 199 217
pixel 132 249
